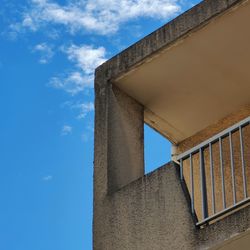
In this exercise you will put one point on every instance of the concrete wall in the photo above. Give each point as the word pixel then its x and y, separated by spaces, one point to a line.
pixel 150 212
pixel 153 213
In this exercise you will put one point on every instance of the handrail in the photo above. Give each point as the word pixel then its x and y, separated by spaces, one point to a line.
pixel 207 167
pixel 214 138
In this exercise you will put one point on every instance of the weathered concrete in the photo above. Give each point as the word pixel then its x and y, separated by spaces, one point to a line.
pixel 150 212
pixel 164 37
pixel 118 139
pixel 153 213
pixel 125 140
pixel 223 230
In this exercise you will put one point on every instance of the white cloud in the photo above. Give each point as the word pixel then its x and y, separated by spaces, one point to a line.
pixel 72 83
pixel 99 16
pixel 84 108
pixel 29 22
pixel 86 58
pixel 66 130
pixel 47 178
pixel 88 133
pixel 45 51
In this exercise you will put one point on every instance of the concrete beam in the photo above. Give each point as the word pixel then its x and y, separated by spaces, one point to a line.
pixel 164 37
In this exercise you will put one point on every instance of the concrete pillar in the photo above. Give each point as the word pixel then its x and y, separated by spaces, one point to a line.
pixel 119 148
pixel 125 140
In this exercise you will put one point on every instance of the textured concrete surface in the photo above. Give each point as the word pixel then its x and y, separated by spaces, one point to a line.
pixel 126 140
pixel 223 230
pixel 118 140
pixel 152 211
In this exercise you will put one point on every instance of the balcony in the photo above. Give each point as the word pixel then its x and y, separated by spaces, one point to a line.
pixel 217 173
pixel 188 80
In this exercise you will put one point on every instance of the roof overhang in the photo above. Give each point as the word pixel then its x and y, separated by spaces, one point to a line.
pixel 198 79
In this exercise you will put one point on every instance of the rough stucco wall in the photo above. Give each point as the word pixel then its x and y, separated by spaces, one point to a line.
pixel 145 214
pixel 100 158
pixel 118 139
pixel 150 213
pixel 223 230
pixel 126 140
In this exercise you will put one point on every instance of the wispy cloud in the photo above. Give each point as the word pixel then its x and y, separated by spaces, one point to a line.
pixel 99 16
pixel 84 108
pixel 72 83
pixel 47 178
pixel 85 58
pixel 45 51
pixel 88 133
pixel 66 130
pixel 96 16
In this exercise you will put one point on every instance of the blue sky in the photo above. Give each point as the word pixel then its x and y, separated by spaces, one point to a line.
pixel 48 52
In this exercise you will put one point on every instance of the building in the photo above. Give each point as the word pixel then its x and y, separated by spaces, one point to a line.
pixel 190 81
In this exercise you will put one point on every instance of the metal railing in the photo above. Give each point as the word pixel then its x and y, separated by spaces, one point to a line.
pixel 216 173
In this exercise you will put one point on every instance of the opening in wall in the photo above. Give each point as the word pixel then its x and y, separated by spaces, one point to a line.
pixel 157 149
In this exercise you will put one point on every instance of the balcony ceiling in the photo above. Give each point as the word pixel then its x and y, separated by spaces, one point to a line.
pixel 198 80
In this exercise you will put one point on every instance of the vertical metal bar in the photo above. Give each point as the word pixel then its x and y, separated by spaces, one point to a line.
pixel 181 169
pixel 243 163
pixel 203 185
pixel 232 167
pixel 192 183
pixel 212 176
pixel 222 174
